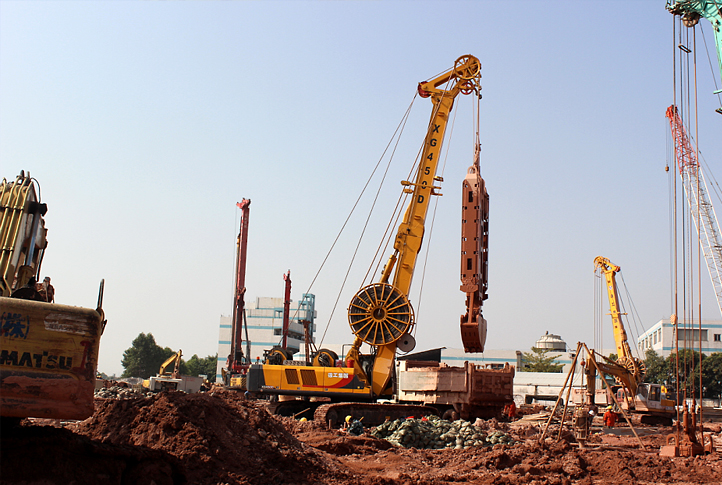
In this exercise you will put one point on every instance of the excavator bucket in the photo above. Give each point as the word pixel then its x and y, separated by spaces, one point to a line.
pixel 473 333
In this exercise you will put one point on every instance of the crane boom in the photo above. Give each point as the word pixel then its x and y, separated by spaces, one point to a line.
pixel 286 309
pixel 625 358
pixel 701 208
pixel 237 324
pixel 380 314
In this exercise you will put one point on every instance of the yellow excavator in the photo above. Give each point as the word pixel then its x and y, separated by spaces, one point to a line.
pixel 380 314
pixel 647 401
pixel 166 381
pixel 48 351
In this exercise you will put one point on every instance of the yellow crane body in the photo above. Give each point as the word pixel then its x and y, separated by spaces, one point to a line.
pixel 380 314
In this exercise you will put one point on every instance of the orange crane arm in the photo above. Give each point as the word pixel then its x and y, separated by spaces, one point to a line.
pixel 634 367
pixel 380 314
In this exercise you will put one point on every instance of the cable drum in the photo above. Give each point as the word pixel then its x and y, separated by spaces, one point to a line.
pixel 380 314
pixel 635 366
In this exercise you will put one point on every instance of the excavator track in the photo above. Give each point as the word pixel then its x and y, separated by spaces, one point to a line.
pixel 371 414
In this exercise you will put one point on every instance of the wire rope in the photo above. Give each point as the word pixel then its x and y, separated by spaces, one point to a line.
pixel 353 209
pixel 637 329
pixel 711 69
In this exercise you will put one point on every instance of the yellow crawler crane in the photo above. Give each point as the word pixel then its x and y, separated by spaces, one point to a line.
pixel 643 399
pixel 380 314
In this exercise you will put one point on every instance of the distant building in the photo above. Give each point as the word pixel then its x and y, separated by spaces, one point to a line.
pixel 265 327
pixel 551 342
pixel 660 337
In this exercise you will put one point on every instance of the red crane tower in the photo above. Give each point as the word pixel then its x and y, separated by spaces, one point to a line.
pixel 286 309
pixel 237 361
pixel 702 210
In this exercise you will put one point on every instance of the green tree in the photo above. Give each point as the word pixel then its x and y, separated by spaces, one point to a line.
pixel 657 368
pixel 688 368
pixel 206 366
pixel 712 375
pixel 143 358
pixel 538 361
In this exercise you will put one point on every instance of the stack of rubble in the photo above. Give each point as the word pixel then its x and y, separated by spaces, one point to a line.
pixel 117 392
pixel 434 433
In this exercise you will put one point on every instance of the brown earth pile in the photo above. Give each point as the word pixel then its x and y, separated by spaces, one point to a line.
pixel 46 455
pixel 219 438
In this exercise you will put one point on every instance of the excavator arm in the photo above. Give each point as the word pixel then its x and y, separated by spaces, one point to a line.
pixel 173 359
pixel 380 314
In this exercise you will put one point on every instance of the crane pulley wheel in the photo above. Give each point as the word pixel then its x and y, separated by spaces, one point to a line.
pixel 380 314
pixel 466 87
pixel 467 67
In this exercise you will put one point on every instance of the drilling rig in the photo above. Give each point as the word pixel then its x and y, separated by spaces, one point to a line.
pixel 381 315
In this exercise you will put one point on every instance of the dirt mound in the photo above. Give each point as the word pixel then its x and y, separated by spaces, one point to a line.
pixel 32 454
pixel 218 437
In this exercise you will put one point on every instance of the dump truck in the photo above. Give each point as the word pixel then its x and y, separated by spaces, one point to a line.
pixel 467 392
pixel 48 351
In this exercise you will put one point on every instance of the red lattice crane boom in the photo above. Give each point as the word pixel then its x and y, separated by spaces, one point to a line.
pixel 702 210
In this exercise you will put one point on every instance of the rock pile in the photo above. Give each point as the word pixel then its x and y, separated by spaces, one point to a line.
pixel 117 392
pixel 434 433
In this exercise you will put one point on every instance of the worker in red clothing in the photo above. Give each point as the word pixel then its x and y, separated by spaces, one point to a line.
pixel 610 418
pixel 510 411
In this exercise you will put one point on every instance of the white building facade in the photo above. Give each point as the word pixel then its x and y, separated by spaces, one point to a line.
pixel 265 327
pixel 660 337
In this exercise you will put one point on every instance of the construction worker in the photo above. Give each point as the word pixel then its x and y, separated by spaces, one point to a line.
pixel 49 290
pixel 510 410
pixel 610 417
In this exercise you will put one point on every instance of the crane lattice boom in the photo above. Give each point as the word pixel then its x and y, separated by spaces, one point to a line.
pixel 702 210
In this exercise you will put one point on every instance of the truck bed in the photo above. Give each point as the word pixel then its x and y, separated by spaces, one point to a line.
pixel 469 389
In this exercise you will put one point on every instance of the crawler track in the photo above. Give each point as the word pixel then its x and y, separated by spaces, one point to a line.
pixel 372 414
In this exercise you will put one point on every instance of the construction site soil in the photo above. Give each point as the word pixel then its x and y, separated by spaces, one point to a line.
pixel 220 438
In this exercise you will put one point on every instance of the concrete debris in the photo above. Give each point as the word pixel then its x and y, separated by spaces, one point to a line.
pixel 434 433
pixel 117 392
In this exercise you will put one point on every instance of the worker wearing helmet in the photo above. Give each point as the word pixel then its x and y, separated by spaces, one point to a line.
pixel 353 426
pixel 610 417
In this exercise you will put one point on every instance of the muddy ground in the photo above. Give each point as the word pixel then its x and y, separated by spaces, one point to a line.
pixel 220 438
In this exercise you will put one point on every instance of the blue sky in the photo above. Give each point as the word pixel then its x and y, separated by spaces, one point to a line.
pixel 145 122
